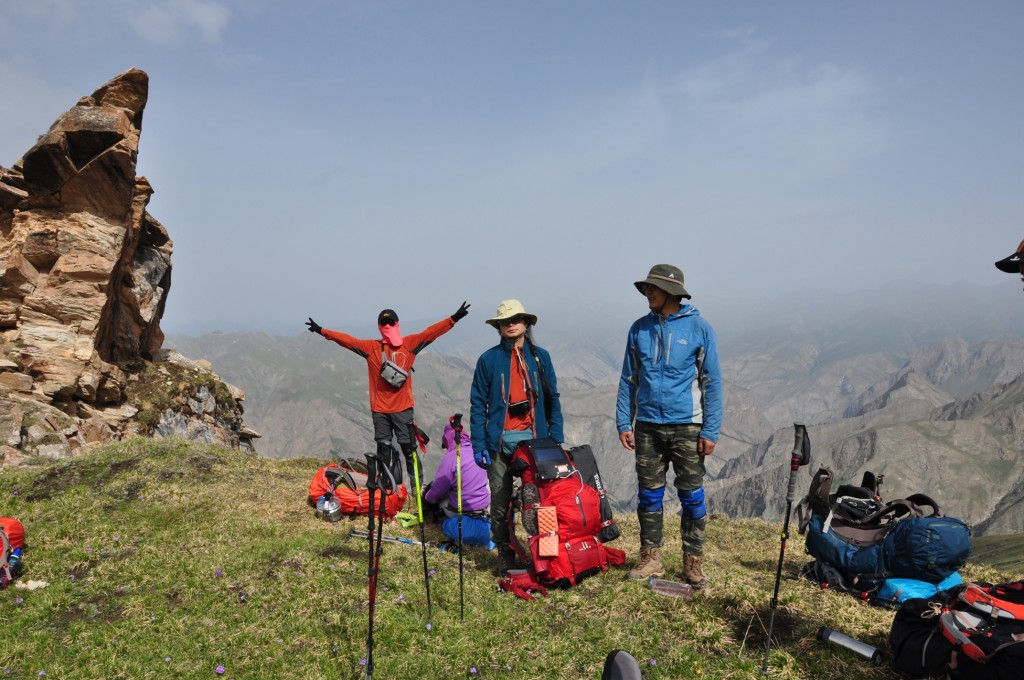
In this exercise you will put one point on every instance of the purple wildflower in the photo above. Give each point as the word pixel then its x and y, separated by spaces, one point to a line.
pixel 218 572
pixel 401 598
pixel 220 670
pixel 431 572
pixel 430 626
pixel 71 576
pixel 18 600
pixel 167 659
pixel 362 662
pixel 88 550
pixel 654 662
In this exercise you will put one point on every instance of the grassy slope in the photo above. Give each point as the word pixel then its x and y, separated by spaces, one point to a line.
pixel 165 560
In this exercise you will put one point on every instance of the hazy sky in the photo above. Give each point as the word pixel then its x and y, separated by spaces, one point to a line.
pixel 330 158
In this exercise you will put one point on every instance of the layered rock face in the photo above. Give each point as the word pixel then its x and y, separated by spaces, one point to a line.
pixel 84 275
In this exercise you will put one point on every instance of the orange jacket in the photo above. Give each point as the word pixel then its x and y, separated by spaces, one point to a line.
pixel 383 397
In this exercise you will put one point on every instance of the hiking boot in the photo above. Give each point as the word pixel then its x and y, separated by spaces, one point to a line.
pixel 648 565
pixel 507 560
pixel 693 572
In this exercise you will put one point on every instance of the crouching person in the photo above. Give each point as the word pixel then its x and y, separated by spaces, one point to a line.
pixel 476 496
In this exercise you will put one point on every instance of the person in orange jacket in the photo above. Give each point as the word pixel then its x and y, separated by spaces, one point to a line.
pixel 389 368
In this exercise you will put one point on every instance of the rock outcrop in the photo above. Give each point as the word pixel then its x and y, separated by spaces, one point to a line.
pixel 84 275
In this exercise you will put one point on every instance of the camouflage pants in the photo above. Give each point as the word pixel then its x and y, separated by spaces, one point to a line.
pixel 658 447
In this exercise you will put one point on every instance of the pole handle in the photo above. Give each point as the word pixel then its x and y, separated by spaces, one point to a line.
pixel 801 456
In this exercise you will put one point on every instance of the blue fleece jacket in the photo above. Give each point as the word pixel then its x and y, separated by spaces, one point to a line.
pixel 671 374
pixel 489 397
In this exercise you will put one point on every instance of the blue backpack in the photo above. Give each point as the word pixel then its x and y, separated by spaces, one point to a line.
pixel 868 541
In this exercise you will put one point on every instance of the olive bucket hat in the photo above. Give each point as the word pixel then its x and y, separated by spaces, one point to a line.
pixel 666 277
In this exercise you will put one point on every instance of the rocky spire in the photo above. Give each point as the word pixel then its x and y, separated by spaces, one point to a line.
pixel 84 268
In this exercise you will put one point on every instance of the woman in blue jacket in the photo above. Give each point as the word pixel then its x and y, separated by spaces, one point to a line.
pixel 514 397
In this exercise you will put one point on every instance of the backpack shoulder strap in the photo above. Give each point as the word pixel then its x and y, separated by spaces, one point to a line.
pixel 5 548
pixel 923 501
pixel 982 598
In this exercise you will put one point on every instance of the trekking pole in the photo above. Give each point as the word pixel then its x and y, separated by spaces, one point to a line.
pixel 421 441
pixel 801 456
pixel 377 469
pixel 456 421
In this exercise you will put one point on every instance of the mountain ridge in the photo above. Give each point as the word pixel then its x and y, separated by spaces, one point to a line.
pixel 867 390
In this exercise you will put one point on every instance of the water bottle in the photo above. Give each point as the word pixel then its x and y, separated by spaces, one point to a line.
pixel 874 654
pixel 670 588
pixel 15 563
pixel 320 502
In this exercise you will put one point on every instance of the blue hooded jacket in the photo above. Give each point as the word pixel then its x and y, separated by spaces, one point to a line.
pixel 671 374
pixel 489 396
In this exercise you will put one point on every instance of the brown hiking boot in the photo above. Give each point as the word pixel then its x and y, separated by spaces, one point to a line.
pixel 692 571
pixel 648 565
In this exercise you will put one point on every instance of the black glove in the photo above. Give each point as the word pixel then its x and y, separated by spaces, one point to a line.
pixel 463 311
pixel 313 326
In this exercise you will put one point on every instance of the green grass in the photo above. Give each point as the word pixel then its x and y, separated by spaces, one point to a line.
pixel 1004 553
pixel 165 560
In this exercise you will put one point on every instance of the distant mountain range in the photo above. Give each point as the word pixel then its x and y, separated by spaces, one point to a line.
pixel 922 384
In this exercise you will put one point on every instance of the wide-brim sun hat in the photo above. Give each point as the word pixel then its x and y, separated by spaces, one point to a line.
pixel 1011 263
pixel 666 277
pixel 509 308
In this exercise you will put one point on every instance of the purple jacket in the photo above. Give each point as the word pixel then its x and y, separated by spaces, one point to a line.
pixel 476 494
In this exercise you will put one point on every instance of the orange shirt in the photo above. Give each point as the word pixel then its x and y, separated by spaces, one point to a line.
pixel 518 390
pixel 383 397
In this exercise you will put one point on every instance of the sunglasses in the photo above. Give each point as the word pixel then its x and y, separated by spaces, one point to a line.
pixel 388 322
pixel 512 320
pixel 646 288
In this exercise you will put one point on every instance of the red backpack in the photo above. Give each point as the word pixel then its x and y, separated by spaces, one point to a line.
pixel 347 483
pixel 561 514
pixel 12 537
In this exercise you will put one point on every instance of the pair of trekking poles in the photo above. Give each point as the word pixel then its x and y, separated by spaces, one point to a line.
pixel 380 472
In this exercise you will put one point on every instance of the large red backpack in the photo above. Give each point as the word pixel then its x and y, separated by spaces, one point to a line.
pixel 347 483
pixel 561 514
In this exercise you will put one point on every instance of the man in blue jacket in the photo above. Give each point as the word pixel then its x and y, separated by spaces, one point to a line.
pixel 669 411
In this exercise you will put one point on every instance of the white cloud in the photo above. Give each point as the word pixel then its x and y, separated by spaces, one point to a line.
pixel 158 22
pixel 169 23
pixel 817 118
